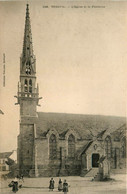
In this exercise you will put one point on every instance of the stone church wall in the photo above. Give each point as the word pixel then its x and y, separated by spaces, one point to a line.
pixel 42 151
pixel 45 166
pixel 26 147
pixel 49 167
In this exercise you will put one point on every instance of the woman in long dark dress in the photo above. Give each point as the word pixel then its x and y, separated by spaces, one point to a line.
pixel 15 185
pixel 65 187
pixel 60 186
pixel 51 184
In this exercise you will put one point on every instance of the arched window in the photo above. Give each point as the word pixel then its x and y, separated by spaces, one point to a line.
pixel 123 148
pixel 25 85
pixel 30 86
pixel 108 147
pixel 52 147
pixel 71 146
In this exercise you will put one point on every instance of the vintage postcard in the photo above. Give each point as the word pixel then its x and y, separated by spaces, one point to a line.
pixel 63 78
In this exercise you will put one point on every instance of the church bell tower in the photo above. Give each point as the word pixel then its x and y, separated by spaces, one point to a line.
pixel 27 98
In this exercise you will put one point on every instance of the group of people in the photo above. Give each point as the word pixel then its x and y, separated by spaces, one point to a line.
pixel 61 186
pixel 16 183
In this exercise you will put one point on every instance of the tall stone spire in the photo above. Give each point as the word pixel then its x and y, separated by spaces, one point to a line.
pixel 27 58
pixel 27 44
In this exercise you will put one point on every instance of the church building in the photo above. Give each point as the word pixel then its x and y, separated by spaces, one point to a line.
pixel 60 144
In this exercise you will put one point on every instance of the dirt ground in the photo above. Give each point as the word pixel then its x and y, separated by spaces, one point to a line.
pixel 77 185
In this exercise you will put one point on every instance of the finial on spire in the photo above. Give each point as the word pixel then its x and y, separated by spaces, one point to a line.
pixel 27 10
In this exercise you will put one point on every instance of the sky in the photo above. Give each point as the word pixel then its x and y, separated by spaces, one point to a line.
pixel 81 59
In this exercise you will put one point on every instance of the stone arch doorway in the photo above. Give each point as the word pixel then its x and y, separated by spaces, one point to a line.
pixel 95 160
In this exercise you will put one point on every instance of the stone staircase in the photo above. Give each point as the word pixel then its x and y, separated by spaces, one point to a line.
pixel 92 172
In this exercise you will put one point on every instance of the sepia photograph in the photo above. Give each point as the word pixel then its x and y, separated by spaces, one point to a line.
pixel 63 93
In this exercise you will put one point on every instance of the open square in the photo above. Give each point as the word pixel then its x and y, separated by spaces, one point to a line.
pixel 77 185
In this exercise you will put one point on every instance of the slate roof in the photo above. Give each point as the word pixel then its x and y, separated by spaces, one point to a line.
pixel 5 154
pixel 83 125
